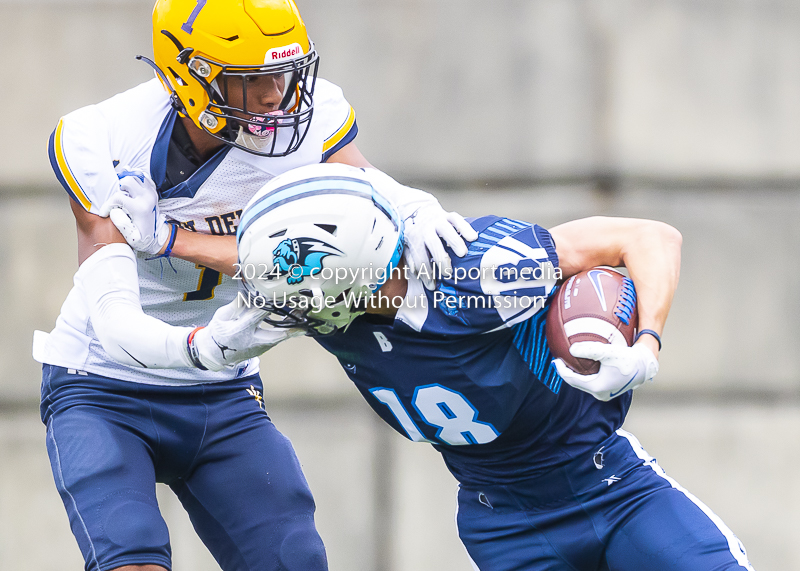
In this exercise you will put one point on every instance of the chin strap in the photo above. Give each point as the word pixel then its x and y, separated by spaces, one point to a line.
pixel 254 142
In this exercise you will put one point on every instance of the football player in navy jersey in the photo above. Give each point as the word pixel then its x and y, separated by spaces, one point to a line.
pixel 548 479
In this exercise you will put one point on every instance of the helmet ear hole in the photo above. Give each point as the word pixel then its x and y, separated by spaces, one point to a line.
pixel 178 78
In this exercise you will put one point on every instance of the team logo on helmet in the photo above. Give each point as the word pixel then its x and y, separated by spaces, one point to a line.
pixel 300 257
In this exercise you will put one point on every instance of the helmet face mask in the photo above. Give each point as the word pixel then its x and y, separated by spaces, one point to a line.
pixel 243 71
pixel 300 311
pixel 233 96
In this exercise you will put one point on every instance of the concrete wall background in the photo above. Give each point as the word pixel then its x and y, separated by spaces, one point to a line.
pixel 547 110
pixel 476 88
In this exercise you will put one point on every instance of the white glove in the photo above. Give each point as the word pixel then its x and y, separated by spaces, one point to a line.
pixel 235 334
pixel 425 228
pixel 134 211
pixel 621 368
pixel 426 225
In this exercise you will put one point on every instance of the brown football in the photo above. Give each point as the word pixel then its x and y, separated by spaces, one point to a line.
pixel 595 305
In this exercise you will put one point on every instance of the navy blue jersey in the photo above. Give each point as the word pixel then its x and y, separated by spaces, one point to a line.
pixel 467 368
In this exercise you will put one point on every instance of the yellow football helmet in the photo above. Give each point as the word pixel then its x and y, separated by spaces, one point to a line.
pixel 207 53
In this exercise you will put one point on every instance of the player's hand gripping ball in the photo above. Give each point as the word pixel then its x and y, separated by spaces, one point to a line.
pixel 595 305
pixel 590 328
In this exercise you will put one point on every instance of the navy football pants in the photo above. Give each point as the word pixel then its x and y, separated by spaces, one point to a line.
pixel 110 441
pixel 614 510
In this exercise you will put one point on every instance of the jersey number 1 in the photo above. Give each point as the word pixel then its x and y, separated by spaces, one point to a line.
pixel 209 279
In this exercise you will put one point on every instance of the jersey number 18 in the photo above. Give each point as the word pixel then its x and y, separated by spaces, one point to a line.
pixel 449 411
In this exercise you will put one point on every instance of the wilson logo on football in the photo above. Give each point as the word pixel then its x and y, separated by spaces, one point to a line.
pixel 283 52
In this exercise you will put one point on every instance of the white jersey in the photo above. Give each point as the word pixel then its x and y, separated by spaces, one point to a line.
pixel 133 129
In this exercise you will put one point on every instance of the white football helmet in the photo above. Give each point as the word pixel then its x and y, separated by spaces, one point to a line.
pixel 315 243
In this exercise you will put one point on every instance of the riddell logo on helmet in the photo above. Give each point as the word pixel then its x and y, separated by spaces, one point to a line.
pixel 284 52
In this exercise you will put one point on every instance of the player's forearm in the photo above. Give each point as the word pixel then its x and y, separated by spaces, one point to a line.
pixel 109 282
pixel 650 250
pixel 215 252
pixel 219 252
pixel 653 259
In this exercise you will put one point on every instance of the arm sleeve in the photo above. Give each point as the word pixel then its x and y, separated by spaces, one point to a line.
pixel 110 283
pixel 81 159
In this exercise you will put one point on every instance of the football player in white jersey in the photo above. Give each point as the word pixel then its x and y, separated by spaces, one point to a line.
pixel 134 392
